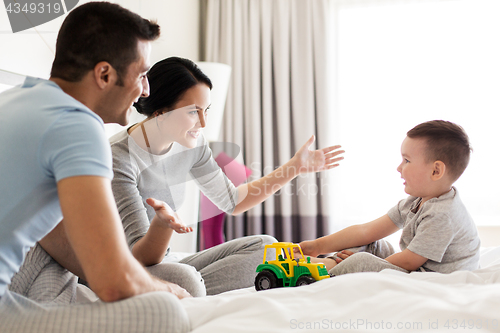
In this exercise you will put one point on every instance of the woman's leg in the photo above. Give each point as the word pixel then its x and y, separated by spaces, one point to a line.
pixel 230 265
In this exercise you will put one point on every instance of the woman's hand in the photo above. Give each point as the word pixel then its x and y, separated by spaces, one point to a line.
pixel 168 217
pixel 306 160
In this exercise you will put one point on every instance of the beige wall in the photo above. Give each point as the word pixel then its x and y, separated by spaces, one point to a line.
pixel 31 52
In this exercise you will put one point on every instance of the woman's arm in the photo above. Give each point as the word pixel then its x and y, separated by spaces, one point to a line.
pixel 304 161
pixel 151 248
pixel 148 240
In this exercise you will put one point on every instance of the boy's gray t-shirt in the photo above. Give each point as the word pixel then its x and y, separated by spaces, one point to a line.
pixel 441 230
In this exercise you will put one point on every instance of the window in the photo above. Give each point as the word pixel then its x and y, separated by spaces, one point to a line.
pixel 403 63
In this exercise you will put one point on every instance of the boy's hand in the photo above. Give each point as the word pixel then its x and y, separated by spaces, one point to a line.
pixel 168 217
pixel 344 254
pixel 309 248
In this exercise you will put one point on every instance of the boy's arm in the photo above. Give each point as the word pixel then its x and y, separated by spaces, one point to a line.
pixel 407 260
pixel 356 235
pixel 94 231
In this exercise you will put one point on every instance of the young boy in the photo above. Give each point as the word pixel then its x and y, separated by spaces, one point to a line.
pixel 438 233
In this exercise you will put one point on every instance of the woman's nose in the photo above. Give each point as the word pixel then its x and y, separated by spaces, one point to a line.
pixel 201 115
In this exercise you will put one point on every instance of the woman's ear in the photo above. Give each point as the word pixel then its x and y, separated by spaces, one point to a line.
pixel 438 171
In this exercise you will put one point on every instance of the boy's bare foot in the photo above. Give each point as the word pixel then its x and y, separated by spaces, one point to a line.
pixel 329 262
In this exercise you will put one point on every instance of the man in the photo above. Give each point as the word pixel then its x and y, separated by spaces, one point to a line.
pixel 56 165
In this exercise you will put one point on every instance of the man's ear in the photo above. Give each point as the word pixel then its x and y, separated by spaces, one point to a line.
pixel 104 74
pixel 439 170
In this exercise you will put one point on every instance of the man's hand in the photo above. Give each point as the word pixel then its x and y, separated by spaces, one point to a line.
pixel 177 290
pixel 168 217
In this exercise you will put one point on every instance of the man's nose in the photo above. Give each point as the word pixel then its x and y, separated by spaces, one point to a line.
pixel 145 87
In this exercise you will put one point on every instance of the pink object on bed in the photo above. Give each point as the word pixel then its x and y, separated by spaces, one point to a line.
pixel 212 231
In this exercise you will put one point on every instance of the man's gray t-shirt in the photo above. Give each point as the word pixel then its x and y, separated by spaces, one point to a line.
pixel 441 230
pixel 139 175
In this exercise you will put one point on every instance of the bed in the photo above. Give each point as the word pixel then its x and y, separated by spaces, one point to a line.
pixel 385 301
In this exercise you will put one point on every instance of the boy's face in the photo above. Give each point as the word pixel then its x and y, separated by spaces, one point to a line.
pixel 414 168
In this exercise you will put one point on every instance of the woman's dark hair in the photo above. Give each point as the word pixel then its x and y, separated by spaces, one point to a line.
pixel 168 81
pixel 99 31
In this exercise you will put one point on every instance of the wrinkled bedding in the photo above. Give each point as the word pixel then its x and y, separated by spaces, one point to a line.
pixel 385 301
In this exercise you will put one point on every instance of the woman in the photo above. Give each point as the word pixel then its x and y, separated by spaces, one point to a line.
pixel 154 159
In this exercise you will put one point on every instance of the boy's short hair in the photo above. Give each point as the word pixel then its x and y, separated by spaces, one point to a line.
pixel 99 31
pixel 446 142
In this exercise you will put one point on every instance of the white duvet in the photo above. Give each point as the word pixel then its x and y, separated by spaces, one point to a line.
pixel 378 302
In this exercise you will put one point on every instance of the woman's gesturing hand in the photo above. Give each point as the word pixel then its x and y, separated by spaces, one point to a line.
pixel 168 216
pixel 316 160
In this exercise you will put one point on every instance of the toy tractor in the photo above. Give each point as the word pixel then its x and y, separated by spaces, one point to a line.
pixel 286 270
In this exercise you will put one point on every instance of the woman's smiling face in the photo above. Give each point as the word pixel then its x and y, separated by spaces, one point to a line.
pixel 183 124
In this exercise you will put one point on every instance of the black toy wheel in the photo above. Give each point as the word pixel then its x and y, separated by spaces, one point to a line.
pixel 304 280
pixel 266 280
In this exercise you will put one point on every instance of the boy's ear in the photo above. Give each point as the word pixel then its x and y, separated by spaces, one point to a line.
pixel 438 171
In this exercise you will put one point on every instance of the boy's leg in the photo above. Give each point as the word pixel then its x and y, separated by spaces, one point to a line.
pixel 363 262
pixel 184 275
pixel 151 312
pixel 43 280
pixel 380 248
pixel 230 265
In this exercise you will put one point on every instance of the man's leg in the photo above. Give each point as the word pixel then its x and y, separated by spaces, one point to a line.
pixel 151 312
pixel 230 265
pixel 43 280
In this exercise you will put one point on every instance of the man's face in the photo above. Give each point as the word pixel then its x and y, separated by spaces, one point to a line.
pixel 135 84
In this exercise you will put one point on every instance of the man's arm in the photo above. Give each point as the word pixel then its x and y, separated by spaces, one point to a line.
pixel 92 225
pixel 56 244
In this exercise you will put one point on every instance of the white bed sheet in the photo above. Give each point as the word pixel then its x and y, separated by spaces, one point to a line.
pixel 386 301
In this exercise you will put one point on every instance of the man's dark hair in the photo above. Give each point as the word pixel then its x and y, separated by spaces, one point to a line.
pixel 168 81
pixel 99 31
pixel 446 142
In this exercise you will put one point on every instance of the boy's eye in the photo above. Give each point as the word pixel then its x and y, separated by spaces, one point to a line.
pixel 406 161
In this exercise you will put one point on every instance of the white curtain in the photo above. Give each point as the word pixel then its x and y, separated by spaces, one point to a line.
pixel 280 94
